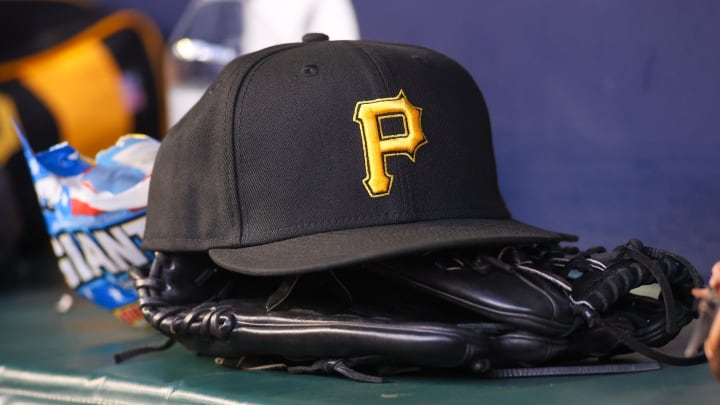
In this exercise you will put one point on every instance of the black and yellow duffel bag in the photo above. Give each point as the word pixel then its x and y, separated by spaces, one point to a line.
pixel 71 71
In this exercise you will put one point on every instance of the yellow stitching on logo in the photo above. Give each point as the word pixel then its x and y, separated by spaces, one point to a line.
pixel 377 146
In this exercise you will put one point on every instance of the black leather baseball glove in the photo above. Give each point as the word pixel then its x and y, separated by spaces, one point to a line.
pixel 510 311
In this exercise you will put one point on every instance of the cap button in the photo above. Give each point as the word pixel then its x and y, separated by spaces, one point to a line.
pixel 315 37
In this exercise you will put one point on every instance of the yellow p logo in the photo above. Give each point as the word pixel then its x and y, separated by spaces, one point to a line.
pixel 378 146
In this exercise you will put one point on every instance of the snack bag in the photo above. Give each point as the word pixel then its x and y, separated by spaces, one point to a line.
pixel 95 215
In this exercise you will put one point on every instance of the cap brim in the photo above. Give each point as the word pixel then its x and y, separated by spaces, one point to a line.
pixel 340 248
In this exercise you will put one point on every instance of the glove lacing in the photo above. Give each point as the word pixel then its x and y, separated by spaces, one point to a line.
pixel 600 285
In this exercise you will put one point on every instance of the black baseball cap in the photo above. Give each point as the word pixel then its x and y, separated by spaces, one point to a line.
pixel 314 155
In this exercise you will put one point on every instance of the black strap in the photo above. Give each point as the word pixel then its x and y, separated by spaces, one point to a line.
pixel 574 370
pixel 338 366
pixel 283 291
pixel 130 353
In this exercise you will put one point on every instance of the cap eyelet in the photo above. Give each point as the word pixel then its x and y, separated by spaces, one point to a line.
pixel 419 59
pixel 310 70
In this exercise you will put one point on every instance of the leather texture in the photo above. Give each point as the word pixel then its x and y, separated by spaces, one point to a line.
pixel 479 311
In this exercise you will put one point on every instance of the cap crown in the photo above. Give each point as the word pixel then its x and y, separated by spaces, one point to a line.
pixel 302 139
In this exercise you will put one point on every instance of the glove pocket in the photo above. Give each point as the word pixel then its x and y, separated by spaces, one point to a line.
pixel 496 293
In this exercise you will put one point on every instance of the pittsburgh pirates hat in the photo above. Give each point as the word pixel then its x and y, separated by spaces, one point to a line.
pixel 319 154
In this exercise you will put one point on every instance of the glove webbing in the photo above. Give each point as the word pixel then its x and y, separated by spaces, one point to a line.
pixel 621 280
pixel 602 285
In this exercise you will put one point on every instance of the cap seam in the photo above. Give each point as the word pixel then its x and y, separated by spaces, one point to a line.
pixel 239 101
pixel 231 174
pixel 374 62
pixel 407 204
